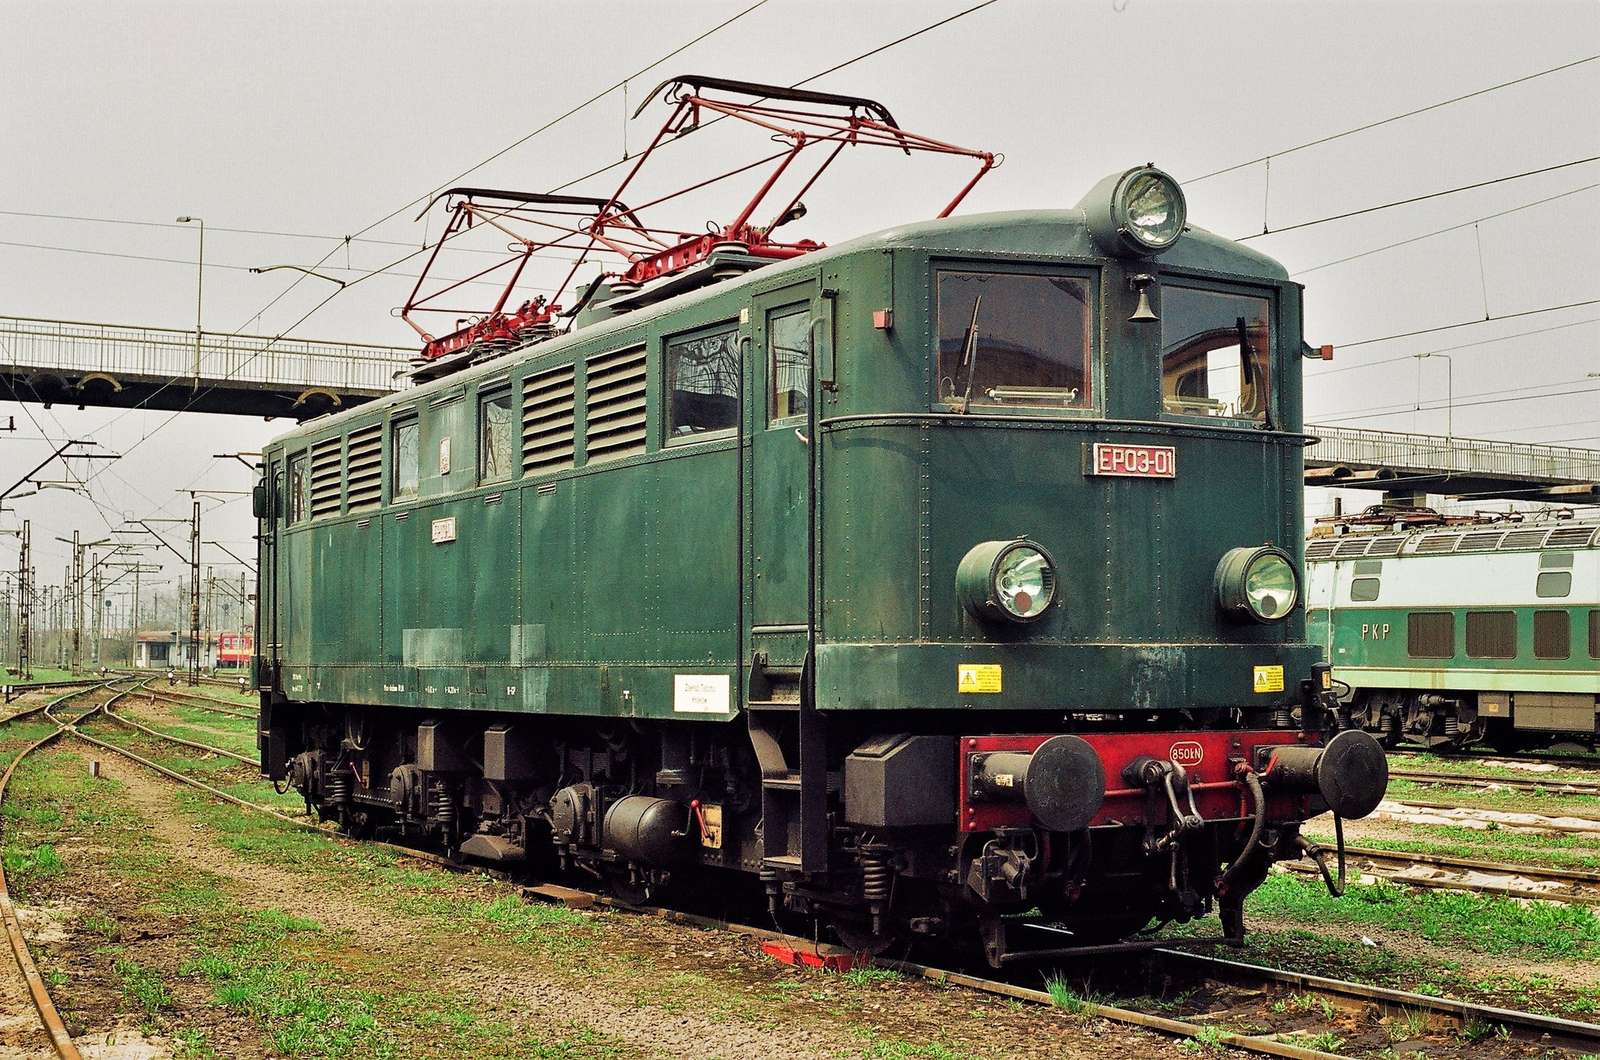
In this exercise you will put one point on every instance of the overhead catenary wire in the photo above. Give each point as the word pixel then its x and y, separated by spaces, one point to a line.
pixel 1322 374
pixel 1465 323
pixel 1443 231
pixel 333 294
pixel 1448 404
pixel 1393 118
pixel 1417 198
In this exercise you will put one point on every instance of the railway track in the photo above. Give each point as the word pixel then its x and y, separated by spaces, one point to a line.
pixel 1548 785
pixel 1200 1026
pixel 189 699
pixel 1575 762
pixel 1545 883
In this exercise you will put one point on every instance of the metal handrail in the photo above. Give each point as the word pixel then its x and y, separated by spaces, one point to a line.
pixel 1477 456
pixel 119 349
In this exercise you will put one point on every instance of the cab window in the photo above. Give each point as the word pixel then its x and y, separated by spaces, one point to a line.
pixel 406 459
pixel 788 363
pixel 1014 340
pixel 702 384
pixel 494 437
pixel 1215 354
pixel 297 488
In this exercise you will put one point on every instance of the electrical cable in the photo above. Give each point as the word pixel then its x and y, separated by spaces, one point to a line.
pixel 1393 118
pixel 1465 323
pixel 1418 198
pixel 1425 407
pixel 1447 349
pixel 1442 231
pixel 318 306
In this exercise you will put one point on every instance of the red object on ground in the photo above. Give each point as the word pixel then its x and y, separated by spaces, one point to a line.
pixel 832 962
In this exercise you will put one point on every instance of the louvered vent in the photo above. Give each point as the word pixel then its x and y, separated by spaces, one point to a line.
pixel 1570 537
pixel 1351 546
pixel 325 478
pixel 547 442
pixel 1387 546
pixel 1524 538
pixel 1480 541
pixel 615 404
pixel 1320 549
pixel 1435 543
pixel 365 469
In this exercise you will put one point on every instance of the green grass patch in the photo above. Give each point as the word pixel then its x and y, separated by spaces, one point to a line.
pixel 26 866
pixel 1484 923
pixel 1498 844
pixel 1540 800
pixel 142 987
pixel 1064 997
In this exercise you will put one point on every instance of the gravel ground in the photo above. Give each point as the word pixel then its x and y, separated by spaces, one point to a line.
pixel 632 986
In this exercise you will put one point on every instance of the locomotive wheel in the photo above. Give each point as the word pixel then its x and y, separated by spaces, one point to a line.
pixel 627 891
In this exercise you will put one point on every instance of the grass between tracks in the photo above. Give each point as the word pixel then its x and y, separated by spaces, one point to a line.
pixel 1467 766
pixel 1541 801
pixel 237 962
pixel 1489 844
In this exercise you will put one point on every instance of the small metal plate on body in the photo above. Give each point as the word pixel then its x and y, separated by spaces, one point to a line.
pixel 1118 460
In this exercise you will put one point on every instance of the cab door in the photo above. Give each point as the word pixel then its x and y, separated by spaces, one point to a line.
pixel 783 330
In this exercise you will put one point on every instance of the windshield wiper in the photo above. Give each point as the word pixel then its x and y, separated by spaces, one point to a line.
pixel 969 357
pixel 1249 373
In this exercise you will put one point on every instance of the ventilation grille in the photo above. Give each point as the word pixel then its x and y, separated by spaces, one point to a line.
pixel 1481 541
pixel 1524 538
pixel 547 442
pixel 365 468
pixel 1387 546
pixel 1569 537
pixel 1320 549
pixel 616 406
pixel 325 478
pixel 1351 546
pixel 1435 543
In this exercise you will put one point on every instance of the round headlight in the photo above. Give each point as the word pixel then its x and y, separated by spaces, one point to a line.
pixel 1013 580
pixel 1152 208
pixel 1259 583
pixel 1140 211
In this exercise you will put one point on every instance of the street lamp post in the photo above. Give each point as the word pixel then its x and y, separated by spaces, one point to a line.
pixel 1449 391
pixel 199 289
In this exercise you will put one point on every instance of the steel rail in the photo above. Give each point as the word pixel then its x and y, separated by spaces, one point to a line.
pixel 1573 762
pixel 1590 824
pixel 202 702
pixel 1460 780
pixel 1534 1024
pixel 49 1015
pixel 246 759
pixel 1583 884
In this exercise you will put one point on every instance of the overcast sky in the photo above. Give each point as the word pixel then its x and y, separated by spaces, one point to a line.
pixel 322 118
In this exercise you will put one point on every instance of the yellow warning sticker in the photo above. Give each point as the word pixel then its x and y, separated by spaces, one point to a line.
pixel 1269 679
pixel 984 677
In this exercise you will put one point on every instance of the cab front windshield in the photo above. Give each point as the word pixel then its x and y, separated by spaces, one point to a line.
pixel 1216 351
pixel 1013 340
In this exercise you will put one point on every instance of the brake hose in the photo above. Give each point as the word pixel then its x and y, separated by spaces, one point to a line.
pixel 1252 784
pixel 1316 853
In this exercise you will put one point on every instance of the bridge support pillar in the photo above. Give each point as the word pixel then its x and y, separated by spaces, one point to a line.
pixel 1407 498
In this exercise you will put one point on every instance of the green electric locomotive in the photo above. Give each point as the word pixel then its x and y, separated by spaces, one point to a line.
pixel 945 573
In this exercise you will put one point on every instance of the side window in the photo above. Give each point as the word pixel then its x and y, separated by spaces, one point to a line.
pixel 788 362
pixel 297 488
pixel 1364 590
pixel 1553 584
pixel 1215 353
pixel 404 439
pixel 1431 635
pixel 1552 635
pixel 494 437
pixel 702 384
pixel 1594 634
pixel 279 502
pixel 1491 634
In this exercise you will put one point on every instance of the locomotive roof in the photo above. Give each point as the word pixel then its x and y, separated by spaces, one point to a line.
pixel 1436 541
pixel 1052 235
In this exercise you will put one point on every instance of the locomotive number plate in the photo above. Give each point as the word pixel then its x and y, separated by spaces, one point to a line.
pixel 1130 461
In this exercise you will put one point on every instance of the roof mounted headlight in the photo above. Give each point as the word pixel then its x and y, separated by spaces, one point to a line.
pixel 1010 580
pixel 1140 211
pixel 1257 583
